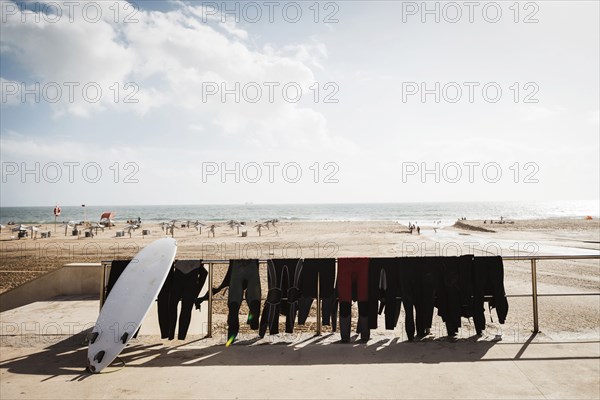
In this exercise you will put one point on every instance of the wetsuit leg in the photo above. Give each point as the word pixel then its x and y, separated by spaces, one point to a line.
pixel 233 322
pixel 163 306
pixel 308 286
pixel 465 283
pixel 345 309
pixel 363 320
pixel 427 273
pixel 335 303
pixel 270 314
pixel 479 282
pixel 328 292
pixel 344 285
pixel 253 293
pixel 392 294
pixel 177 289
pixel 408 284
pixel 449 294
pixel 375 291
pixel 497 278
pixel 293 293
pixel 362 276
pixel 234 299
pixel 304 305
pixel 194 281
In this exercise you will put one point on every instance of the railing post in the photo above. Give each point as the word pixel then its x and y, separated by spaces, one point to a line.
pixel 534 295
pixel 210 300
pixel 318 303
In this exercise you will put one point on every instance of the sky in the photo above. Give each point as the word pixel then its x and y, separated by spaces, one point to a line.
pixel 202 102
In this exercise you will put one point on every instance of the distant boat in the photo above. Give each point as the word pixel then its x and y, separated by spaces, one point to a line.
pixel 248 203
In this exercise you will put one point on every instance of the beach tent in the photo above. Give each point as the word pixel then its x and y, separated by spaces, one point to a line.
pixel 107 218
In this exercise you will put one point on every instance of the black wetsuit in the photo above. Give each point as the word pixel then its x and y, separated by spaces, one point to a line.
pixel 384 291
pixel 116 269
pixel 407 281
pixel 284 277
pixel 324 269
pixel 427 275
pixel 244 276
pixel 454 294
pixel 184 283
pixel 488 279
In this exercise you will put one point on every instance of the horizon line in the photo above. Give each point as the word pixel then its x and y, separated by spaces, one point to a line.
pixel 297 204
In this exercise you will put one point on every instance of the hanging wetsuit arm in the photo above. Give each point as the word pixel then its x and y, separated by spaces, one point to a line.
pixel 222 286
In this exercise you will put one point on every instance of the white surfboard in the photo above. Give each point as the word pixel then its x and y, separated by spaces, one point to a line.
pixel 129 301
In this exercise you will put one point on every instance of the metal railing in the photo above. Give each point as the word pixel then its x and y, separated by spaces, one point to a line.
pixel 534 291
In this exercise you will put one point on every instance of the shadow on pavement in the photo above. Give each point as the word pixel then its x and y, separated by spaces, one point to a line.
pixel 68 357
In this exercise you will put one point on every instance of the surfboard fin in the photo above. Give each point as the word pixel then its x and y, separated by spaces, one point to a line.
pixel 93 336
pixel 124 338
pixel 99 356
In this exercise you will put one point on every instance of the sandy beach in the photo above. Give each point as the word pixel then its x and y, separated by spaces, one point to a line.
pixel 25 259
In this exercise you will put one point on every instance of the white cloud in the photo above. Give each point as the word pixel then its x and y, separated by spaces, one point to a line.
pixel 311 53
pixel 231 28
pixel 10 92
pixel 168 58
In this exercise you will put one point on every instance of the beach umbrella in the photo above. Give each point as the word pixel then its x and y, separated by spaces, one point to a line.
pixel 130 228
pixel 20 227
pixel 233 223
pixel 198 226
pixel 70 224
pixel 94 227
pixel 259 228
pixel 169 227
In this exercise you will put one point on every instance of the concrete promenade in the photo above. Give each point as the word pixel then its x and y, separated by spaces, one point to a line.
pixel 43 354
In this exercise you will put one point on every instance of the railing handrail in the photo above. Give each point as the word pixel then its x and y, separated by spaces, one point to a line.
pixel 507 258
pixel 553 257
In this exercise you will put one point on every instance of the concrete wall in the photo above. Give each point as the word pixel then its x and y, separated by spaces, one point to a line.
pixel 72 279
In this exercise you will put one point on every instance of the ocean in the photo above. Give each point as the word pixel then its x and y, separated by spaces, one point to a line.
pixel 425 214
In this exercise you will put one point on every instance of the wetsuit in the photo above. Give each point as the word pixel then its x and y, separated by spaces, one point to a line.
pixel 323 271
pixel 384 291
pixel 427 270
pixel 244 274
pixel 448 294
pixel 183 284
pixel 284 279
pixel 353 270
pixel 488 280
pixel 407 281
pixel 116 269
pixel 454 294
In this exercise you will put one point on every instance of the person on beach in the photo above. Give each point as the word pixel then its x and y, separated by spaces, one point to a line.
pixel 418 230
